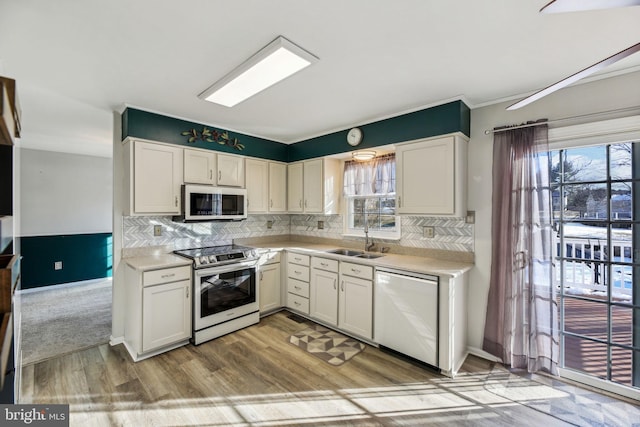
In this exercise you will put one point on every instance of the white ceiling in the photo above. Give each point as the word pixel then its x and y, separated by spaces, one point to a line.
pixel 76 61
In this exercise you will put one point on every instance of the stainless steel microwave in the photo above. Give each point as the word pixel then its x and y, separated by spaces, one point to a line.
pixel 205 203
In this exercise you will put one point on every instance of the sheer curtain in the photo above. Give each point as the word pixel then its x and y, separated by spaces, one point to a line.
pixel 522 314
pixel 373 177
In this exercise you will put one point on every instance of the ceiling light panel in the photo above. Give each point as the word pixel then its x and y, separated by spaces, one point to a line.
pixel 272 64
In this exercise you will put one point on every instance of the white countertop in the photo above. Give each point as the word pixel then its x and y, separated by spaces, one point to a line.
pixel 411 263
pixel 155 262
pixel 401 262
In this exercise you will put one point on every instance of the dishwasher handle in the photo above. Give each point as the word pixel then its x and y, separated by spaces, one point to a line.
pixel 428 277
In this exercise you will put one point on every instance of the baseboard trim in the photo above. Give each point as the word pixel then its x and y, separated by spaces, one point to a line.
pixel 108 281
pixel 113 341
pixel 483 354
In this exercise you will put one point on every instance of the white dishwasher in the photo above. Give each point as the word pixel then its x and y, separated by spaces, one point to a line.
pixel 406 313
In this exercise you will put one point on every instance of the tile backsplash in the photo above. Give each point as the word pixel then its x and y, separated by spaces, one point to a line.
pixel 451 234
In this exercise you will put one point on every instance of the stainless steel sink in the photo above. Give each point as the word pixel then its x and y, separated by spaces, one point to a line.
pixel 369 256
pixel 347 252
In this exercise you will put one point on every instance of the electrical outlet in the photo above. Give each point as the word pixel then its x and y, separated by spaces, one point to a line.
pixel 429 232
pixel 320 225
pixel 269 224
pixel 157 230
pixel 471 217
pixel 57 265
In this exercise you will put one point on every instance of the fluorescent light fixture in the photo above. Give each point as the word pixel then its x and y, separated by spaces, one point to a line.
pixel 363 155
pixel 577 76
pixel 273 63
pixel 560 6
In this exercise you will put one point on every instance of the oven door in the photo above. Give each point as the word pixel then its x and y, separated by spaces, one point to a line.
pixel 224 293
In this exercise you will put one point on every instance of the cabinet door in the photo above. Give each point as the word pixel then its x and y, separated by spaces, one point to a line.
pixel 199 167
pixel 269 287
pixel 166 314
pixel 294 187
pixel 157 171
pixel 257 186
pixel 230 170
pixel 323 301
pixel 426 177
pixel 277 187
pixel 313 189
pixel 356 306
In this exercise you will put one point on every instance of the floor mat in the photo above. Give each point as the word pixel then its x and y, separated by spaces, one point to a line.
pixel 325 344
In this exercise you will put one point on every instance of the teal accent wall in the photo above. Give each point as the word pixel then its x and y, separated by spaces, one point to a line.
pixel 442 119
pixel 156 127
pixel 447 118
pixel 83 256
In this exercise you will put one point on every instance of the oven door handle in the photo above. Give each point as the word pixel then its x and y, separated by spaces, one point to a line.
pixel 225 269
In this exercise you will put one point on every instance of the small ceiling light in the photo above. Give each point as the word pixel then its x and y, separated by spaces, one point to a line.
pixel 363 155
pixel 275 62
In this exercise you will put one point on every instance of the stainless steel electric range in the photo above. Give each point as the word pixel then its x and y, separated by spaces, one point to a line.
pixel 224 288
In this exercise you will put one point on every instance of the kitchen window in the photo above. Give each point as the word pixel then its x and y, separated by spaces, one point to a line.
pixel 370 196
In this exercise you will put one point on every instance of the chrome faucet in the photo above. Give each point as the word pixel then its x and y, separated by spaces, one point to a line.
pixel 367 246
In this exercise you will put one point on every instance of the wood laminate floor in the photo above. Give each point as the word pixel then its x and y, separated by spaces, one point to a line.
pixel 254 377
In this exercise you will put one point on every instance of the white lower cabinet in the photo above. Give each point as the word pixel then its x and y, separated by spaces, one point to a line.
pixel 298 282
pixel 342 296
pixel 158 315
pixel 269 291
pixel 323 298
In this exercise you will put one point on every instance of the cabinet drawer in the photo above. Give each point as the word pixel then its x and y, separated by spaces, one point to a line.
pixel 357 270
pixel 324 264
pixel 298 259
pixel 270 257
pixel 297 302
pixel 166 275
pixel 298 287
pixel 299 272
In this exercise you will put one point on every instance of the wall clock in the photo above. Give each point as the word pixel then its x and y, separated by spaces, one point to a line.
pixel 354 137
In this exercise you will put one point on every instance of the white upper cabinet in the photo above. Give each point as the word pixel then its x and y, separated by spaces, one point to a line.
pixel 431 176
pixel 277 187
pixel 257 181
pixel 314 186
pixel 199 166
pixel 266 186
pixel 230 170
pixel 154 177
pixel 294 187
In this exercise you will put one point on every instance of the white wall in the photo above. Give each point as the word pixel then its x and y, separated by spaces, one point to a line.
pixel 64 193
pixel 595 97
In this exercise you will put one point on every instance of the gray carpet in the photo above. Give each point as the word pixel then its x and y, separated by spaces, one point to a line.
pixel 60 320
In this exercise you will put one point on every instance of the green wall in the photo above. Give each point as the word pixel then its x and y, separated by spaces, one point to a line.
pixel 434 121
pixel 156 127
pixel 83 256
pixel 443 119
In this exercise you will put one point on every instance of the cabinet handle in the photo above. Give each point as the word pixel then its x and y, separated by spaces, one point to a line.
pixel 219 175
pixel 297 259
pixel 300 202
pixel 261 275
pixel 166 276
pixel 324 264
pixel 271 203
pixel 296 303
pixel 187 292
pixel 399 201
pixel 176 202
pixel 335 283
pixel 343 286
pixel 305 203
pixel 210 173
pixel 298 288
pixel 355 270
pixel 297 272
pixel 248 201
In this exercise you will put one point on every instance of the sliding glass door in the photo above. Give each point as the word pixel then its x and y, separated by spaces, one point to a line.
pixel 596 204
